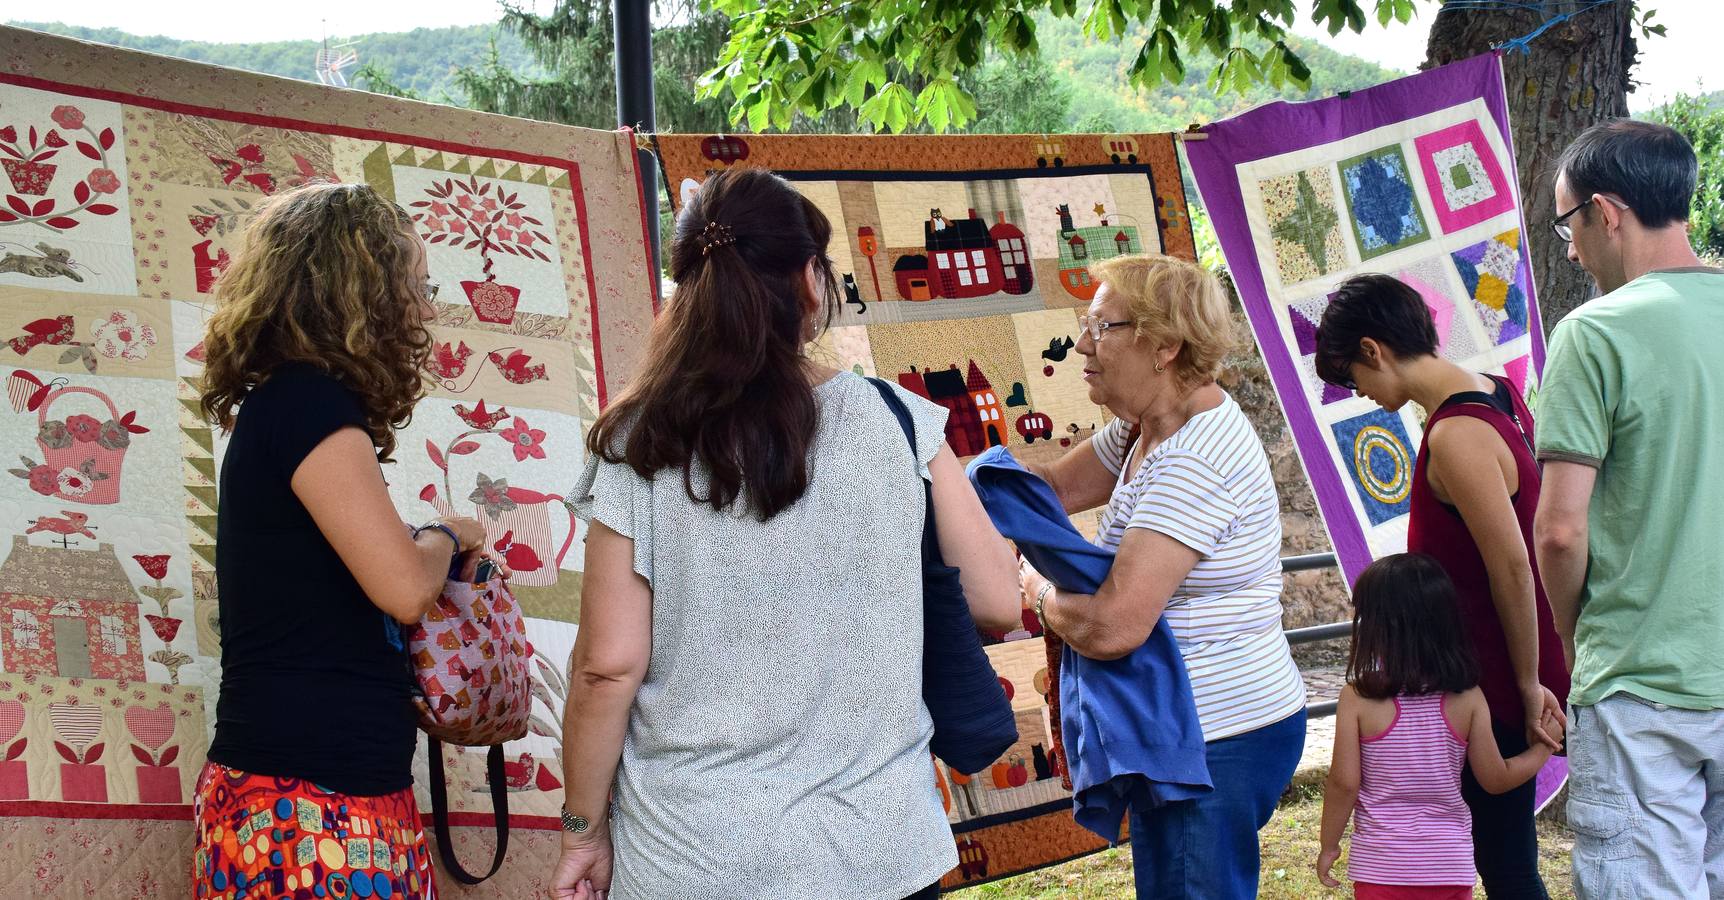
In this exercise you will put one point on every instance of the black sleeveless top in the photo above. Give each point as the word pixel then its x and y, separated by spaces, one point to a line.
pixel 315 682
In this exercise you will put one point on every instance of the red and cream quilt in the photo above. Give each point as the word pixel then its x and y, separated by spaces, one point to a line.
pixel 127 182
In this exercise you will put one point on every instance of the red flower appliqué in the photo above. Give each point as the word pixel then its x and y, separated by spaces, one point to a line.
pixel 154 566
pixel 84 428
pixel 103 181
pixel 44 480
pixel 526 441
pixel 68 117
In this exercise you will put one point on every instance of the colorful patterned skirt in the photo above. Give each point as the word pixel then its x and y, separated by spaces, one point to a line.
pixel 263 836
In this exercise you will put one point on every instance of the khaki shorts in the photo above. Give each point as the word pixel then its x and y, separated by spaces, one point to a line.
pixel 1646 800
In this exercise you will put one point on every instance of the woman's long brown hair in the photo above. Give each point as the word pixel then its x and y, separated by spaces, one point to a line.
pixel 326 276
pixel 725 384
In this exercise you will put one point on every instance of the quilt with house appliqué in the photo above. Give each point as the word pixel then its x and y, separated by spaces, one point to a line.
pixel 964 268
pixel 126 182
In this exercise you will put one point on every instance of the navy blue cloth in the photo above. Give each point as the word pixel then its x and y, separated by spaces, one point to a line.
pixel 1208 847
pixel 1130 726
pixel 973 721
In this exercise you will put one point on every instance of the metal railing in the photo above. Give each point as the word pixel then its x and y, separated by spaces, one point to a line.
pixel 1314 633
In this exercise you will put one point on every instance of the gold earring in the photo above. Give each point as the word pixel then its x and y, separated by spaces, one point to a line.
pixel 1160 368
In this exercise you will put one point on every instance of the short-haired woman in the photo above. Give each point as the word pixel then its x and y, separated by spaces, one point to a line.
pixel 1475 489
pixel 748 669
pixel 318 339
pixel 1194 519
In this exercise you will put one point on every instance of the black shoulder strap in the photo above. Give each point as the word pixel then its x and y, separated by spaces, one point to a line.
pixel 899 411
pixel 1497 399
pixel 1479 397
pixel 930 541
pixel 1500 400
pixel 440 811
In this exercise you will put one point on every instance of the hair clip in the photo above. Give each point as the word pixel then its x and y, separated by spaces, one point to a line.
pixel 716 234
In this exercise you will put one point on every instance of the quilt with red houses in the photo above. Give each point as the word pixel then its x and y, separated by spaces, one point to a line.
pixel 964 266
pixel 127 182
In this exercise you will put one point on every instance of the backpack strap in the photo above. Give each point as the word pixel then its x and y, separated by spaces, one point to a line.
pixel 440 811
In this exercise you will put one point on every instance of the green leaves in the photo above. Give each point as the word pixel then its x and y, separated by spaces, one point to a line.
pixel 900 64
pixel 1282 66
pixel 1702 123
pixel 864 73
pixel 1239 69
pixel 942 102
pixel 1158 61
pixel 1394 11
pixel 1339 14
pixel 891 108
pixel 1106 20
pixel 1017 32
pixel 1643 18
pixel 759 114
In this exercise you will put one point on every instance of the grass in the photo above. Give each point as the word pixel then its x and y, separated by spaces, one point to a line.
pixel 1289 856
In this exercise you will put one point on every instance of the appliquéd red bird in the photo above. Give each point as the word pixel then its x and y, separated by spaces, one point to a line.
pixel 51 331
pixel 480 418
pixel 449 362
pixel 518 367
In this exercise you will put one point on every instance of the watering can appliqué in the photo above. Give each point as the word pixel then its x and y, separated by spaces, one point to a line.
pixel 523 535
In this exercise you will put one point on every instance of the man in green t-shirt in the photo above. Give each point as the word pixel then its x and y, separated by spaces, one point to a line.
pixel 1631 432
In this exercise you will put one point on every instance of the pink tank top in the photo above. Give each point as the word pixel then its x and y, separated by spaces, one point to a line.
pixel 1410 826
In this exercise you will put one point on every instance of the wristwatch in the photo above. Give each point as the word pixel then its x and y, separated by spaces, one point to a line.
pixel 572 823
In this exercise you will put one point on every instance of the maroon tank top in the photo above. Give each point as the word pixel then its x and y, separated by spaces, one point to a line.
pixel 1437 530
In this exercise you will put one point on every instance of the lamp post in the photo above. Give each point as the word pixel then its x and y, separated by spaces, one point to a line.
pixel 632 34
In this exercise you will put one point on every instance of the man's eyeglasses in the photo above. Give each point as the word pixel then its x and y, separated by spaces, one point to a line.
pixel 1565 231
pixel 1095 327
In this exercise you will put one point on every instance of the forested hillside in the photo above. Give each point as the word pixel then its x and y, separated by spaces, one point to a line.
pixel 421 60
pixel 1074 85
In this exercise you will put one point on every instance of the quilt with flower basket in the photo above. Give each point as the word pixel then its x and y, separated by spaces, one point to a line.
pixel 126 184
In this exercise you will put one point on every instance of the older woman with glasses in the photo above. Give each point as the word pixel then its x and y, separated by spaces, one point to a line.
pixel 1192 515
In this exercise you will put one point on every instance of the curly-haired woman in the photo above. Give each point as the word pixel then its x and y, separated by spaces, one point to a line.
pixel 314 358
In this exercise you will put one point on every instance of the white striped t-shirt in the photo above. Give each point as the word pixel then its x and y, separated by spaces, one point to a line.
pixel 1209 487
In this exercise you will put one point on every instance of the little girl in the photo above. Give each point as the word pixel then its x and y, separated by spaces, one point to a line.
pixel 1403 730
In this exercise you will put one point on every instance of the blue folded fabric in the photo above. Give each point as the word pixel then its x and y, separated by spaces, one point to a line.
pixel 1129 725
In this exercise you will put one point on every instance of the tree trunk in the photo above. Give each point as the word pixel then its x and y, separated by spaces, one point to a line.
pixel 1575 76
